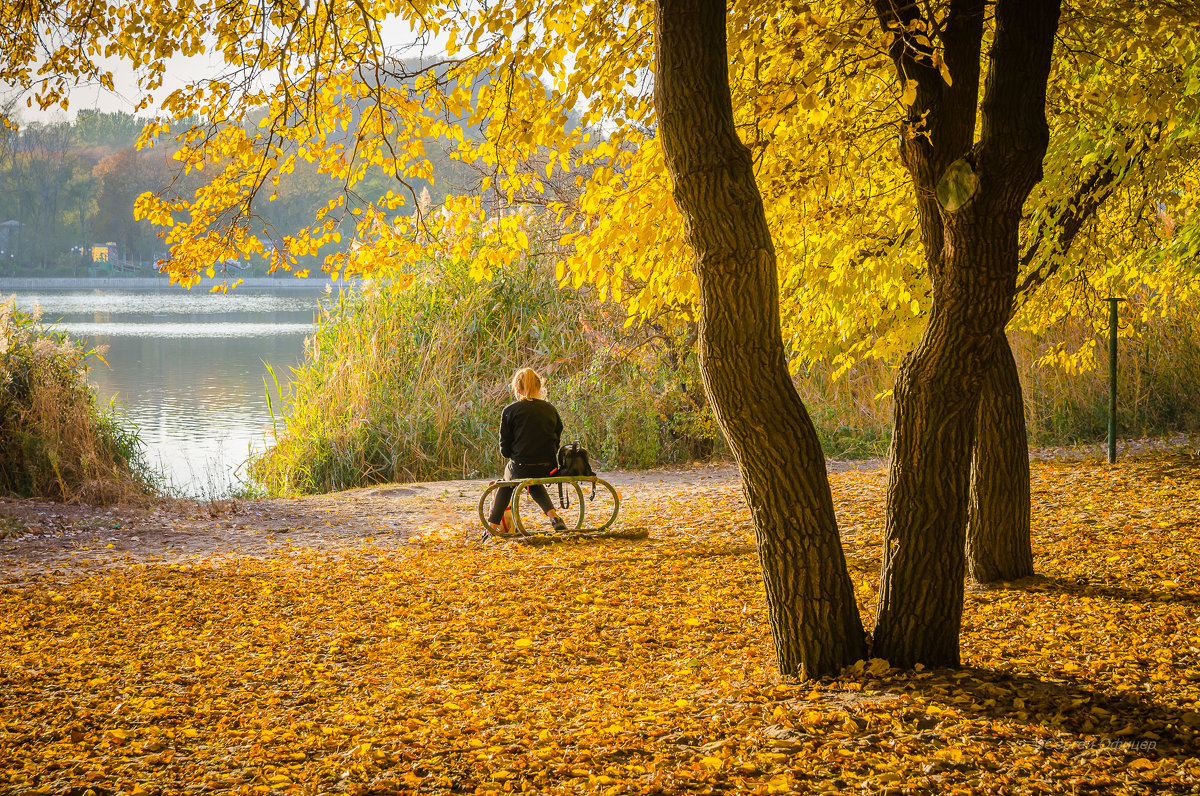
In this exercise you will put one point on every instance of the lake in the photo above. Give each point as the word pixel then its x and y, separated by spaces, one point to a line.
pixel 187 367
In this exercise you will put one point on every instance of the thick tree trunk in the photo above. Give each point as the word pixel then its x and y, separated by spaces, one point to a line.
pixel 812 611
pixel 971 195
pixel 936 400
pixel 998 544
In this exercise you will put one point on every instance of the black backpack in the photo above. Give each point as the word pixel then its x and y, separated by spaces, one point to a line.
pixel 573 461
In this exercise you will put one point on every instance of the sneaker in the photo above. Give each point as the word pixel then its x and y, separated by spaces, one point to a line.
pixel 559 525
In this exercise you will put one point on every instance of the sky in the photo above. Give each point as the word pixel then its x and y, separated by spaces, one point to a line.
pixel 180 72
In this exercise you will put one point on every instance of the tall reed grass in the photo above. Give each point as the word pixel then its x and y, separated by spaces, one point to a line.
pixel 1158 379
pixel 403 385
pixel 56 441
pixel 852 414
pixel 1158 366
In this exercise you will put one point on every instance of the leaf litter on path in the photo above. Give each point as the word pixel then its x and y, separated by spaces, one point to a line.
pixel 441 665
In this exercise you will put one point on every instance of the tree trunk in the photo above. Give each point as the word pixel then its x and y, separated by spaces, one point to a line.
pixel 936 400
pixel 998 544
pixel 811 605
pixel 970 196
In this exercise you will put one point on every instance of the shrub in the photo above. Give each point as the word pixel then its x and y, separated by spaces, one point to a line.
pixel 55 441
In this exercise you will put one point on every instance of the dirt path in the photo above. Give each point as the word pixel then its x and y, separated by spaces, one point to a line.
pixel 40 538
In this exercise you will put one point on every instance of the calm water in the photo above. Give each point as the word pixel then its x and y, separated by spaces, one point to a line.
pixel 187 368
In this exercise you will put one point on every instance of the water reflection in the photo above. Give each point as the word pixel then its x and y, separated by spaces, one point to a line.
pixel 193 329
pixel 188 368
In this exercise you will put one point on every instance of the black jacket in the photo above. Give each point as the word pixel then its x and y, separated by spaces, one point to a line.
pixel 530 431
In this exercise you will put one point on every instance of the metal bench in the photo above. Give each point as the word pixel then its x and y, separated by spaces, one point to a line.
pixel 520 487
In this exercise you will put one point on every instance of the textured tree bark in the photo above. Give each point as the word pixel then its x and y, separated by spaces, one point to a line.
pixel 811 605
pixel 971 245
pixel 998 542
pixel 936 399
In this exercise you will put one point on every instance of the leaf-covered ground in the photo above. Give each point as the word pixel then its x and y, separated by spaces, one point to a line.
pixel 439 664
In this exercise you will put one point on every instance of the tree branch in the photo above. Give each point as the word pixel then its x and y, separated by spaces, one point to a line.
pixel 940 123
pixel 1079 208
pixel 1014 133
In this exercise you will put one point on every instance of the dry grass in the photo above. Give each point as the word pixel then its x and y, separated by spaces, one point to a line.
pixel 55 441
pixel 408 385
pixel 1158 366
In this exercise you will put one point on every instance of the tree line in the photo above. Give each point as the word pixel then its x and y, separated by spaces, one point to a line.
pixel 69 186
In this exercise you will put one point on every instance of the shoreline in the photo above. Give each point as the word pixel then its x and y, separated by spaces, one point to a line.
pixel 9 284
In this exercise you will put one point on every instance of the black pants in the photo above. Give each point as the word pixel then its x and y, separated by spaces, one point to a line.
pixel 515 472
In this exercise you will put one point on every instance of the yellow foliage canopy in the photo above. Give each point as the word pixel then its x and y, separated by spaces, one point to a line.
pixel 551 102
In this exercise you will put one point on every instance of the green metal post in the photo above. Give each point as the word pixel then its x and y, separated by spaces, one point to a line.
pixel 1112 379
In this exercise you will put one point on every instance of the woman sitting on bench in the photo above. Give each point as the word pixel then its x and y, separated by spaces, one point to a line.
pixel 530 429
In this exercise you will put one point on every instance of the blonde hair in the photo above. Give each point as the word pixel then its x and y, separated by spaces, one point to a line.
pixel 526 383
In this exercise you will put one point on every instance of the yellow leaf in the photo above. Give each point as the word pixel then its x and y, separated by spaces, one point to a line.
pixel 945 72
